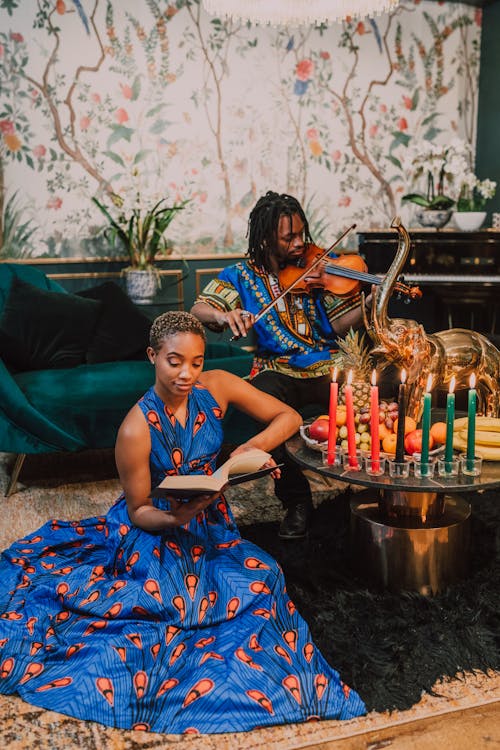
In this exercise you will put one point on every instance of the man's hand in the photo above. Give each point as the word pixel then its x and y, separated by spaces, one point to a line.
pixel 239 321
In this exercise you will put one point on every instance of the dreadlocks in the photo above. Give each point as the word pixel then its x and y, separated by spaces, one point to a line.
pixel 263 225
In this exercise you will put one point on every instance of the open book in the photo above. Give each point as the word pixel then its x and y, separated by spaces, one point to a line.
pixel 237 469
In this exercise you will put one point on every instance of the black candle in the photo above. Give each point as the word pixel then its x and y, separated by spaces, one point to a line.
pixel 400 439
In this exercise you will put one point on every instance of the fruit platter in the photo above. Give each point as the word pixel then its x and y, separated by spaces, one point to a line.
pixel 480 439
pixel 315 433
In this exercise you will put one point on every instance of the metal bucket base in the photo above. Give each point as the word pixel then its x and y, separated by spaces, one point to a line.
pixel 425 559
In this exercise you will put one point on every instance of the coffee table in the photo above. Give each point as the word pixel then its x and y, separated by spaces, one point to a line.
pixel 407 534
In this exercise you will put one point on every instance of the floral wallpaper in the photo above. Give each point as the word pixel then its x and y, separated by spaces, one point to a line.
pixel 152 99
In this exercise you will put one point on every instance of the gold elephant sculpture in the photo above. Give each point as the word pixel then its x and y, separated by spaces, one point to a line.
pixel 455 352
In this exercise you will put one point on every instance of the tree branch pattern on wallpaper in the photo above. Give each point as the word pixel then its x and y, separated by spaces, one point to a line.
pixel 172 103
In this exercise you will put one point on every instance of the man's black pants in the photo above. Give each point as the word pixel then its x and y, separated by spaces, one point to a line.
pixel 293 487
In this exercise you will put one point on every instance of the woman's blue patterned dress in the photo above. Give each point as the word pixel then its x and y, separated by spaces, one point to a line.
pixel 187 631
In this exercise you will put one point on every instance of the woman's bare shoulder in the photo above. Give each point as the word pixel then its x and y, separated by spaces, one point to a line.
pixel 222 385
pixel 134 425
pixel 215 376
pixel 218 381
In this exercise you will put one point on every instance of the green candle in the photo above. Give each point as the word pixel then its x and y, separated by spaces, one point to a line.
pixel 426 424
pixel 471 423
pixel 450 419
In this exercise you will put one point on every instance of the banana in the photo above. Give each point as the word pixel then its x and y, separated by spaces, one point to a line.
pixel 486 452
pixel 487 437
pixel 482 423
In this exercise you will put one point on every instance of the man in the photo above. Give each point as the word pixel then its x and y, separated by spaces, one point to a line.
pixel 295 339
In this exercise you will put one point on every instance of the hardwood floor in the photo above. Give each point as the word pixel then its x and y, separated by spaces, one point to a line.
pixel 468 729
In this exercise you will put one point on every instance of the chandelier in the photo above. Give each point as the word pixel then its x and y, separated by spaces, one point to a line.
pixel 296 12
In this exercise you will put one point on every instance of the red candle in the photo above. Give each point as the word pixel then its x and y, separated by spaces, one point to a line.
pixel 374 422
pixel 332 418
pixel 351 427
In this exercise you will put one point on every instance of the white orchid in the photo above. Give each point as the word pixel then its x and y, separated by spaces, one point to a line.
pixel 486 188
pixel 448 167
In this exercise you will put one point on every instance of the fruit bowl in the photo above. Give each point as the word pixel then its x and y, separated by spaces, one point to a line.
pixel 314 445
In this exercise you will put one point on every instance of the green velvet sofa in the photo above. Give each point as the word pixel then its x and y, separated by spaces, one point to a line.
pixel 71 408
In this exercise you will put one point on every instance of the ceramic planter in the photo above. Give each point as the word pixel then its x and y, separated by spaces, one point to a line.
pixel 432 218
pixel 469 221
pixel 141 285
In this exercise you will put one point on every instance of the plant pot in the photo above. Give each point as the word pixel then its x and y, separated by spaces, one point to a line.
pixel 427 217
pixel 141 285
pixel 469 221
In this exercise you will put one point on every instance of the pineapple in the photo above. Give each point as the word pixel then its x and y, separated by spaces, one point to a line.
pixel 354 355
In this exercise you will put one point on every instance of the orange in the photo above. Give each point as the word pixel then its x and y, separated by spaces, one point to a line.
pixel 323 416
pixel 438 432
pixel 410 425
pixel 389 443
pixel 383 431
pixel 341 416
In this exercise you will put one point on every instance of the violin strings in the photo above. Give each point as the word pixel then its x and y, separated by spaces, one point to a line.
pixel 352 274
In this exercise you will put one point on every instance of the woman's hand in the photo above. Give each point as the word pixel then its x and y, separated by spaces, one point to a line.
pixel 276 474
pixel 153 519
pixel 182 512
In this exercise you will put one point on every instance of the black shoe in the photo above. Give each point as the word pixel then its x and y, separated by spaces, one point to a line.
pixel 296 522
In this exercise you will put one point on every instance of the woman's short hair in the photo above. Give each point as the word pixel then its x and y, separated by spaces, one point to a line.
pixel 171 323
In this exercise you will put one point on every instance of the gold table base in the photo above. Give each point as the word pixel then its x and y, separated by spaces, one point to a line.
pixel 414 541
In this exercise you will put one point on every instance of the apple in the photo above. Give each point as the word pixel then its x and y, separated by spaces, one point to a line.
pixel 318 430
pixel 413 442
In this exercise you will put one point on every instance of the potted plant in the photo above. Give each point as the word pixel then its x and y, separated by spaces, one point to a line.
pixel 141 233
pixel 440 165
pixel 15 231
pixel 470 214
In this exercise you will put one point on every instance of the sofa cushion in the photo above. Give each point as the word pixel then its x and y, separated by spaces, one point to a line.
pixel 41 329
pixel 122 331
pixel 89 402
pixel 11 271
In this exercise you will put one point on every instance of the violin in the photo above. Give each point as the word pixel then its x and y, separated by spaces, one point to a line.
pixel 344 275
pixel 291 277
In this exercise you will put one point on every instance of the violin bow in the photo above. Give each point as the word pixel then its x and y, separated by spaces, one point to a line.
pixel 302 276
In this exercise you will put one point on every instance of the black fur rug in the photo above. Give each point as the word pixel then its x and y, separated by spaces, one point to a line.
pixel 391 647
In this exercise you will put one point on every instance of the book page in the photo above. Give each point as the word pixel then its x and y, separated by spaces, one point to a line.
pixel 242 463
pixel 187 485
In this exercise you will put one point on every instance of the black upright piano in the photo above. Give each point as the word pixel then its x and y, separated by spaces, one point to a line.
pixel 457 272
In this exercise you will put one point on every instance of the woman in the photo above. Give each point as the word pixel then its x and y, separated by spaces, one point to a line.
pixel 159 616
